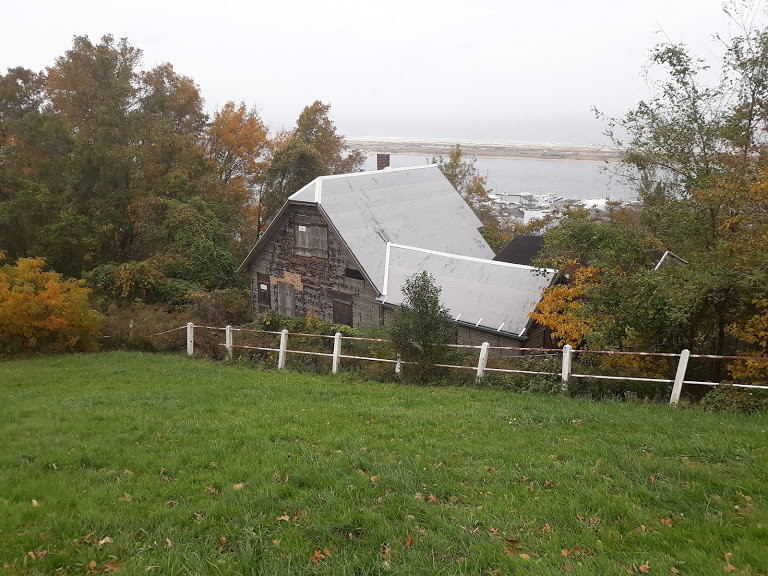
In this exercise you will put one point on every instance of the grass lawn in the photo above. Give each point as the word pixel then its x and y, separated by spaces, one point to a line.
pixel 161 464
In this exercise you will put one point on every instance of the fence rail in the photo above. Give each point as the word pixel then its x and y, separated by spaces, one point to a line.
pixel 566 353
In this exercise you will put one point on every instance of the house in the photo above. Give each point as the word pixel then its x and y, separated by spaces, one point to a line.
pixel 342 246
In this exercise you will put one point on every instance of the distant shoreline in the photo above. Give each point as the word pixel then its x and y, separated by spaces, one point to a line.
pixel 486 149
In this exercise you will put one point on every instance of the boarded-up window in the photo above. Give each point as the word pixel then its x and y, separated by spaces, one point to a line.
pixel 286 299
pixel 342 308
pixel 264 295
pixel 312 241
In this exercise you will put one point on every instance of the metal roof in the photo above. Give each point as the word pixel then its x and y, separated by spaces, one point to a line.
pixel 415 206
pixel 495 296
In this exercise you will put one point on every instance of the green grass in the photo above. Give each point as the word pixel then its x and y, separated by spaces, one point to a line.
pixel 377 478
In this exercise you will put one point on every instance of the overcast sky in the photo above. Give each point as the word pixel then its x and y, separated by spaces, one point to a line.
pixel 487 70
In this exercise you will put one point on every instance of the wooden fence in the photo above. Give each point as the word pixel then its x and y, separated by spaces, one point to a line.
pixel 566 353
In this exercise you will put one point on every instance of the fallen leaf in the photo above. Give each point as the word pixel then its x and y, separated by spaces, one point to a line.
pixel 728 566
pixel 644 568
pixel 641 529
pixel 548 484
pixel 6 565
pixel 35 504
pixel 595 520
pixel 494 531
pixel 93 568
pixel 653 479
pixel 172 503
pixel 547 528
pixel 112 566
pixel 525 556
pixel 667 522
pixel 198 516
pixel 170 544
pixel 409 541
pixel 374 479
pixel 105 540
pixel 317 555
pixel 238 486
pixel 210 489
pixel 565 552
pixel 276 542
pixel 284 518
pixel 674 570
pixel 128 472
pixel 37 554
pixel 126 498
pixel 432 499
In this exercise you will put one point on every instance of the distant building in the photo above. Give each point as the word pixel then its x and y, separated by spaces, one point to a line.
pixel 342 246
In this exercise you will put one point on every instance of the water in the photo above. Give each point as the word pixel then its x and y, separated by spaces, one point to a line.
pixel 509 177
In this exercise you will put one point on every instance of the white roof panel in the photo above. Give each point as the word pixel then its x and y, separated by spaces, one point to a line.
pixel 413 206
pixel 494 295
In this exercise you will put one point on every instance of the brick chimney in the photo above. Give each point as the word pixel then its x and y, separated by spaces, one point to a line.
pixel 382 161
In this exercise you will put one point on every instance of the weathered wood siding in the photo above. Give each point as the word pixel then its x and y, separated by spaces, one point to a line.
pixel 305 253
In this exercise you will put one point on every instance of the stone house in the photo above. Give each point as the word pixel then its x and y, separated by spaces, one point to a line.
pixel 341 247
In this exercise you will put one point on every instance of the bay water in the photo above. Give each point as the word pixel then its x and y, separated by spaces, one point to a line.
pixel 511 177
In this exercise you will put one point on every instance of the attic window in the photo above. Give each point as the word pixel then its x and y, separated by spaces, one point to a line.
pixel 352 273
pixel 312 241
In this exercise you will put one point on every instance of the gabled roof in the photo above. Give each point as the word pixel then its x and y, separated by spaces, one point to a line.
pixel 522 249
pixel 668 259
pixel 495 296
pixel 415 206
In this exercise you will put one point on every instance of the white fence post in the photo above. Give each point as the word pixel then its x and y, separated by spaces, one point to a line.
pixel 336 352
pixel 283 348
pixel 190 339
pixel 483 360
pixel 399 365
pixel 228 341
pixel 677 387
pixel 566 365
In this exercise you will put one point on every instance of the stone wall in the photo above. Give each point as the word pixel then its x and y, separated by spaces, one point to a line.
pixel 318 269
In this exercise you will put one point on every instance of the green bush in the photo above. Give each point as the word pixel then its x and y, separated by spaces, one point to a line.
pixel 727 398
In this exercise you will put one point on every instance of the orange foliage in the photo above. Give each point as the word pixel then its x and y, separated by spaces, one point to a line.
pixel 561 304
pixel 754 332
pixel 40 311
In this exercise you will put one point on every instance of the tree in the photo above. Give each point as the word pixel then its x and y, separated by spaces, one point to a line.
pixel 292 167
pixel 315 128
pixel 421 327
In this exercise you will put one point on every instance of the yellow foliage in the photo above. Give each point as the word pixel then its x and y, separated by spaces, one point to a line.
pixel 40 311
pixel 561 304
pixel 754 332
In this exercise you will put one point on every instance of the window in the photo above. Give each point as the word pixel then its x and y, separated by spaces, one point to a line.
pixel 312 241
pixel 342 308
pixel 356 274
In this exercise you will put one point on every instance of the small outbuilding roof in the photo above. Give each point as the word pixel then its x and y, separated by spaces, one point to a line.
pixel 495 296
pixel 416 206
pixel 522 249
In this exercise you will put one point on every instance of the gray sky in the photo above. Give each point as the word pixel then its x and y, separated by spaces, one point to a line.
pixel 486 70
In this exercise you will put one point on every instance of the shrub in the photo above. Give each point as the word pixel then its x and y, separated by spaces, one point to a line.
pixel 40 311
pixel 732 399
pixel 421 328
